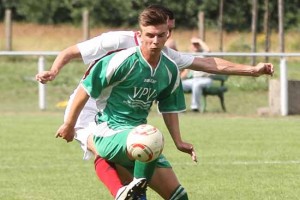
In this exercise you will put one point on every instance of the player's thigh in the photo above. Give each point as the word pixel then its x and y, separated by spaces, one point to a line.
pixel 125 176
pixel 91 145
pixel 164 182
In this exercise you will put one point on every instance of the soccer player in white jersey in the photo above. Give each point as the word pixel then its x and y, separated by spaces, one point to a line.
pixel 111 41
pixel 95 49
pixel 114 82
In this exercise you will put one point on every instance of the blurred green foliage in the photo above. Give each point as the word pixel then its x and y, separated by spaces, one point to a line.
pixel 124 13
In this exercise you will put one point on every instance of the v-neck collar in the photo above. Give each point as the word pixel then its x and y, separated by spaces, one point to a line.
pixel 146 63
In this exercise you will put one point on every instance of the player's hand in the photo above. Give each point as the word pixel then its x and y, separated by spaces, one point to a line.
pixel 45 76
pixel 264 68
pixel 187 148
pixel 65 132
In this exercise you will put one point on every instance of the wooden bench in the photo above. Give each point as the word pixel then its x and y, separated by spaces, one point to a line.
pixel 216 89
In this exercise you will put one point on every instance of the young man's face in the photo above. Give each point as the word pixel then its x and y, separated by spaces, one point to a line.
pixel 153 38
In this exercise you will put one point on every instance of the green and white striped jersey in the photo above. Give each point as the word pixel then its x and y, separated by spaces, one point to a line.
pixel 125 86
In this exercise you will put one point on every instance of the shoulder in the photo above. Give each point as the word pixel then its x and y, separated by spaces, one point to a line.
pixel 117 64
pixel 168 60
pixel 125 54
pixel 182 60
pixel 121 39
pixel 122 57
pixel 120 33
pixel 170 66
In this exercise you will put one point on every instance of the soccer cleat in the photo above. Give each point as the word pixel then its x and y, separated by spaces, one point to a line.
pixel 142 197
pixel 133 191
pixel 195 110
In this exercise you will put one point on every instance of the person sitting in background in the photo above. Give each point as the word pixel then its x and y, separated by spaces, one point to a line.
pixel 195 81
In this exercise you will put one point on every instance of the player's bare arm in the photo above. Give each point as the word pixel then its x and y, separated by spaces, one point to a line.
pixel 67 131
pixel 221 66
pixel 172 122
pixel 63 58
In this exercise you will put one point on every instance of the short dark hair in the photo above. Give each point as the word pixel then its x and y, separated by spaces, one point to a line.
pixel 166 10
pixel 152 15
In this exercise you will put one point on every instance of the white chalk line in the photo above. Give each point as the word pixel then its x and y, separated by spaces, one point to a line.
pixel 191 163
pixel 259 162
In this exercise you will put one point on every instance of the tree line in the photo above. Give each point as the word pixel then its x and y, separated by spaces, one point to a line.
pixel 116 13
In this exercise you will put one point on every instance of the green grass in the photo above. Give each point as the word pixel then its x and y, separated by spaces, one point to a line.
pixel 19 90
pixel 239 158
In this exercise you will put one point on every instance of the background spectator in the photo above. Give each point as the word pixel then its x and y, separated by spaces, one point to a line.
pixel 195 81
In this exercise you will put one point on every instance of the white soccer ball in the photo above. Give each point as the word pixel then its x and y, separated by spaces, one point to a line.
pixel 145 143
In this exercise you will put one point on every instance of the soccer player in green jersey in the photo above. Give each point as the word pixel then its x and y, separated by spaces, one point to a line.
pixel 125 85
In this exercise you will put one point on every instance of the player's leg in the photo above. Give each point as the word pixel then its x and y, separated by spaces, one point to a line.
pixel 197 88
pixel 105 171
pixel 111 145
pixel 165 182
pixel 124 175
pixel 108 175
pixel 187 85
pixel 104 146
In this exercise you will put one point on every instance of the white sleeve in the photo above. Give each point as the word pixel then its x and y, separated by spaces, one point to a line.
pixel 105 43
pixel 181 60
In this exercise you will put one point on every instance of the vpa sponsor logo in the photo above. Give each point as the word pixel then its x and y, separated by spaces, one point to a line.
pixel 142 93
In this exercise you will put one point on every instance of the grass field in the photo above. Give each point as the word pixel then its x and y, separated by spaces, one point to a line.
pixel 239 158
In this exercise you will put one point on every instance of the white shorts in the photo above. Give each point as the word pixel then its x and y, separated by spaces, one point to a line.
pixel 85 118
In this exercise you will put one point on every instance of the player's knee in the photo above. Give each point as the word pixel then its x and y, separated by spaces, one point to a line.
pixel 90 145
pixel 179 194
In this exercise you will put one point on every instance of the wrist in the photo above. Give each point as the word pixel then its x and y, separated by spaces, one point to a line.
pixel 254 71
pixel 178 143
pixel 69 124
pixel 54 72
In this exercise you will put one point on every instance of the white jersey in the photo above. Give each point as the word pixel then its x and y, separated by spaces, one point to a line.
pixel 106 43
pixel 100 46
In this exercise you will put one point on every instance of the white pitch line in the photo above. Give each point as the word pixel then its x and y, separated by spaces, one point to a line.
pixel 259 162
pixel 272 162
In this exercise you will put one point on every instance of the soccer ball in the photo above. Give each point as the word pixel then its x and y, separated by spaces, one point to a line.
pixel 145 143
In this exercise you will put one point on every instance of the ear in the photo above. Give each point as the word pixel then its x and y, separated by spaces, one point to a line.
pixel 169 34
pixel 139 34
